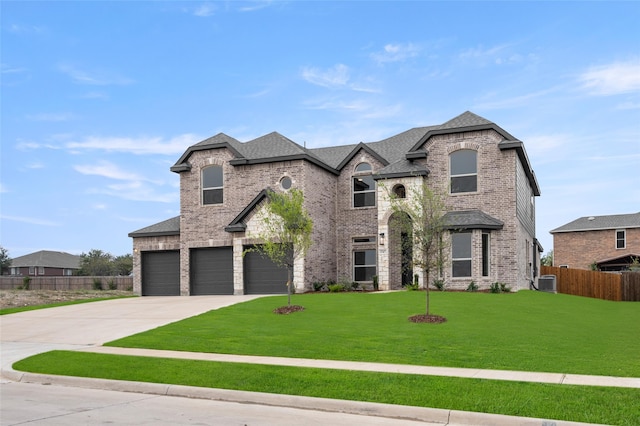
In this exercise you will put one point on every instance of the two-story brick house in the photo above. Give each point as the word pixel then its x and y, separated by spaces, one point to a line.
pixel 484 171
pixel 610 243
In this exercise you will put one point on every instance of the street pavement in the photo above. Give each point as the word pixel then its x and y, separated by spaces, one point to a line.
pixel 43 399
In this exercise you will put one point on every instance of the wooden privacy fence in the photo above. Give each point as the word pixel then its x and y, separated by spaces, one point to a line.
pixel 623 286
pixel 68 283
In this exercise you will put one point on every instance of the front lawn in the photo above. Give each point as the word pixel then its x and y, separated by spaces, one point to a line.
pixel 560 402
pixel 528 331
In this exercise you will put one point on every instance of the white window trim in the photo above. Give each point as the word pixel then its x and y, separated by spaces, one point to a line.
pixel 624 239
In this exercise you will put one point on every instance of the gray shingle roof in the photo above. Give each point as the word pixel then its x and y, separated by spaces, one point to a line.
pixel 595 223
pixel 466 119
pixel 471 219
pixel 166 227
pixel 49 259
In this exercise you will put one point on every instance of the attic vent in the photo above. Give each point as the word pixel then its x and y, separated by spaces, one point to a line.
pixel 547 283
pixel 591 218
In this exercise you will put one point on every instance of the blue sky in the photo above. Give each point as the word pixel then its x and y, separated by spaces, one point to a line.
pixel 99 99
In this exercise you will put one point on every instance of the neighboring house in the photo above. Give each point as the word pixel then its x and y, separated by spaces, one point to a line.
pixel 45 263
pixel 609 242
pixel 484 171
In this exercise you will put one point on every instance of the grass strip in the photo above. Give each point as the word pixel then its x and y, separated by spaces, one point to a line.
pixel 17 309
pixel 589 404
pixel 527 331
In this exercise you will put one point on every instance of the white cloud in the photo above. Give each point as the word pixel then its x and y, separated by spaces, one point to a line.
pixel 30 220
pixel 141 145
pixel 612 79
pixel 204 10
pixel 396 53
pixel 337 76
pixel 3 188
pixel 93 77
pixel 481 52
pixel 256 6
pixel 108 170
pixel 7 69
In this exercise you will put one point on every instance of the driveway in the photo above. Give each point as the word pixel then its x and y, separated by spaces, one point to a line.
pixel 92 324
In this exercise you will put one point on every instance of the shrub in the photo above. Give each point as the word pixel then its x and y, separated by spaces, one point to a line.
pixel 25 283
pixel 112 285
pixel 318 285
pixel 336 288
pixel 415 285
pixel 97 284
pixel 375 283
pixel 499 287
pixel 473 287
pixel 439 284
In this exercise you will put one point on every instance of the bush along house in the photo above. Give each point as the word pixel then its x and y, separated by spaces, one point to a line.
pixel 485 173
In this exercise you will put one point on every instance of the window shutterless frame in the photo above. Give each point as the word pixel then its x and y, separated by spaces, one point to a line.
pixel 463 171
pixel 211 181
pixel 621 239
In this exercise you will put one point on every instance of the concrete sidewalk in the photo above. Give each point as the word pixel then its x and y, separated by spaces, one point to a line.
pixel 86 327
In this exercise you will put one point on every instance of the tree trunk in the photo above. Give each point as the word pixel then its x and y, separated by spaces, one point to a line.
pixel 289 284
pixel 426 286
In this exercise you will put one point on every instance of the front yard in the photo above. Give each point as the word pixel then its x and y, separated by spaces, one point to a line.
pixel 523 331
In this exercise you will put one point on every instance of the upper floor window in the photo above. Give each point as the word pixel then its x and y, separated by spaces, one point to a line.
pixel 461 254
pixel 464 171
pixel 212 185
pixel 364 187
pixel 621 239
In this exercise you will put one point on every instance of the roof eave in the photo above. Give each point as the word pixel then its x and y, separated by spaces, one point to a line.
pixel 153 234
pixel 381 176
pixel 182 161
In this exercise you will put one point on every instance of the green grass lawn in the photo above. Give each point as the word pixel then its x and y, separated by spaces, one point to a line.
pixel 522 331
pixel 528 331
pixel 589 404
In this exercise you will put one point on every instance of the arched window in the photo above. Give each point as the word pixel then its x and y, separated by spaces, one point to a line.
pixel 364 187
pixel 212 192
pixel 399 191
pixel 463 170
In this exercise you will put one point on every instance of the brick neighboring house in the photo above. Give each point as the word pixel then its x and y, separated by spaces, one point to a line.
pixel 484 170
pixel 611 242
pixel 45 263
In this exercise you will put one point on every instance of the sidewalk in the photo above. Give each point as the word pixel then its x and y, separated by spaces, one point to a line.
pixel 469 373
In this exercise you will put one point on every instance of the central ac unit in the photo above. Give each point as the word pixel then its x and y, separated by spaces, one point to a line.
pixel 547 283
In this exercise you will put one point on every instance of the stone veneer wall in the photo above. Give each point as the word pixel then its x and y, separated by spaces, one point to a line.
pixel 580 249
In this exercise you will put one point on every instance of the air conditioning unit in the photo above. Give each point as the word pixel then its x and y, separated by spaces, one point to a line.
pixel 547 283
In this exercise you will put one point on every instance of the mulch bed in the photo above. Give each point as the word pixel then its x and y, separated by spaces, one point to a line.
pixel 286 310
pixel 432 319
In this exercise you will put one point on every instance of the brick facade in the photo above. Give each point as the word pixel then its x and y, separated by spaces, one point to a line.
pixel 580 249
pixel 504 192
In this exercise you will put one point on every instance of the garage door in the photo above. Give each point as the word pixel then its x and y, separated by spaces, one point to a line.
pixel 262 276
pixel 161 273
pixel 211 271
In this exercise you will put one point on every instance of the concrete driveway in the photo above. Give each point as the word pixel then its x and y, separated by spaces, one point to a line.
pixel 92 324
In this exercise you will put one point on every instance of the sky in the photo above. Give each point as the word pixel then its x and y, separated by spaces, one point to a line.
pixel 100 99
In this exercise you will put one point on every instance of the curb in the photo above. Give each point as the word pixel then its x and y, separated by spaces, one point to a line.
pixel 400 412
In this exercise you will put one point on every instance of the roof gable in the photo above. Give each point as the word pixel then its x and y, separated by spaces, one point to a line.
pixel 239 224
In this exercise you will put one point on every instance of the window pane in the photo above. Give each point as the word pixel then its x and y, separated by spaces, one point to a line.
pixel 366 199
pixel 212 196
pixel 365 257
pixel 363 167
pixel 363 183
pixel 461 245
pixel 212 177
pixel 463 162
pixel 461 268
pixel 364 273
pixel 485 255
pixel 464 184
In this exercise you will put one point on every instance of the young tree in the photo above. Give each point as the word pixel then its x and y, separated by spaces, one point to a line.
pixel 5 260
pixel 425 221
pixel 547 259
pixel 286 231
